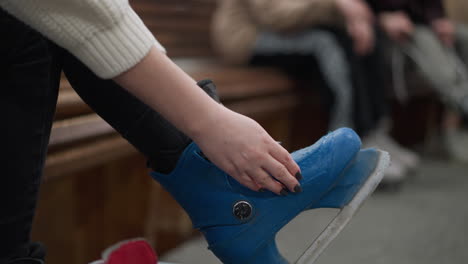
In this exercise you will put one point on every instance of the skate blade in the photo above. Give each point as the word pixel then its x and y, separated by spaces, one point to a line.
pixel 346 213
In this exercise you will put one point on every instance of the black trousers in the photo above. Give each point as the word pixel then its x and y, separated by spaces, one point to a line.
pixel 369 83
pixel 369 102
pixel 30 68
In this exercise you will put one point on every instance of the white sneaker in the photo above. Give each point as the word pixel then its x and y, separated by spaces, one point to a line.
pixel 407 157
pixel 397 170
pixel 456 144
pixel 395 173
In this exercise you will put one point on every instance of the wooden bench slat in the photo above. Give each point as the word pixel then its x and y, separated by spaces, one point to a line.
pixel 86 156
pixel 70 104
pixel 77 129
pixel 265 106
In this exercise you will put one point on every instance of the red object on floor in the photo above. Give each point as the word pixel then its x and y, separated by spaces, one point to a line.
pixel 131 252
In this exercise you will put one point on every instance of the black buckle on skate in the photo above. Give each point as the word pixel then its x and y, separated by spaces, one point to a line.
pixel 242 210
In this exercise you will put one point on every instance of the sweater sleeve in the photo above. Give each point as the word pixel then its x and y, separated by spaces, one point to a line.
pixel 106 35
pixel 298 14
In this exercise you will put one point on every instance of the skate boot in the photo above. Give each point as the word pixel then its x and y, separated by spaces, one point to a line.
pixel 240 225
pixel 136 251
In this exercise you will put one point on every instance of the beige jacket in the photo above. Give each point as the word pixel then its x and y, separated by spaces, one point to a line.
pixel 237 22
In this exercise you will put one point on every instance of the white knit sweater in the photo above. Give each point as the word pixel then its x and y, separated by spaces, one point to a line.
pixel 106 35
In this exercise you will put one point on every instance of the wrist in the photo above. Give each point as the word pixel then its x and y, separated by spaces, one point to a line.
pixel 212 117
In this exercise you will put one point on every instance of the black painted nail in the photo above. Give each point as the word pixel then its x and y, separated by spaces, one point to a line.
pixel 297 189
pixel 298 176
pixel 262 190
pixel 284 192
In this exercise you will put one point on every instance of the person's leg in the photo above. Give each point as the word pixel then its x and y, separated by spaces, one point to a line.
pixel 438 64
pixel 144 128
pixel 356 82
pixel 299 52
pixel 374 67
pixel 371 103
pixel 27 105
pixel 444 69
pixel 461 41
pixel 336 72
pixel 362 76
pixel 455 134
pixel 363 107
pixel 461 48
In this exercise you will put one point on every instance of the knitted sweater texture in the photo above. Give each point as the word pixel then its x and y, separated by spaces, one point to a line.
pixel 106 35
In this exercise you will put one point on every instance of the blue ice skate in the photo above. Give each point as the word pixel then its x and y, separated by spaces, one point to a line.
pixel 240 225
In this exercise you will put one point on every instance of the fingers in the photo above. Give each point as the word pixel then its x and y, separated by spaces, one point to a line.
pixel 280 173
pixel 272 170
pixel 250 155
pixel 367 12
pixel 283 157
pixel 356 9
pixel 363 37
pixel 257 180
pixel 275 178
pixel 407 26
pixel 284 169
pixel 397 25
pixel 446 38
pixel 404 24
pixel 365 44
pixel 402 36
pixel 263 179
pixel 243 178
pixel 247 181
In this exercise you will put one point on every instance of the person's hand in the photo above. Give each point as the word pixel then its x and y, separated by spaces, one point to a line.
pixel 397 25
pixel 355 10
pixel 242 148
pixel 445 30
pixel 235 143
pixel 359 24
pixel 362 34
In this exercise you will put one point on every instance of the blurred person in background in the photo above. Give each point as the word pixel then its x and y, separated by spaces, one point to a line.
pixel 421 30
pixel 337 35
